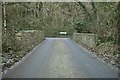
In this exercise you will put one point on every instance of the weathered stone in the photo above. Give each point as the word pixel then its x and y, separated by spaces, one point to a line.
pixel 87 39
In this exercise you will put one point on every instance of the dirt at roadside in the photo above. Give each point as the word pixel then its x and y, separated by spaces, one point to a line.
pixel 107 52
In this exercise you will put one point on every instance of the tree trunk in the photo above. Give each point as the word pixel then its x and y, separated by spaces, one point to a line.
pixel 88 15
pixel 118 24
pixel 0 27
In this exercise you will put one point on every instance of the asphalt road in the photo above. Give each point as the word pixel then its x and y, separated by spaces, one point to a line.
pixel 61 58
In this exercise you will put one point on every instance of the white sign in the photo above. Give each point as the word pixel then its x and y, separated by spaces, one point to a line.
pixel 64 33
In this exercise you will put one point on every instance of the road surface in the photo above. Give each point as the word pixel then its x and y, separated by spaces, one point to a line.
pixel 61 58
